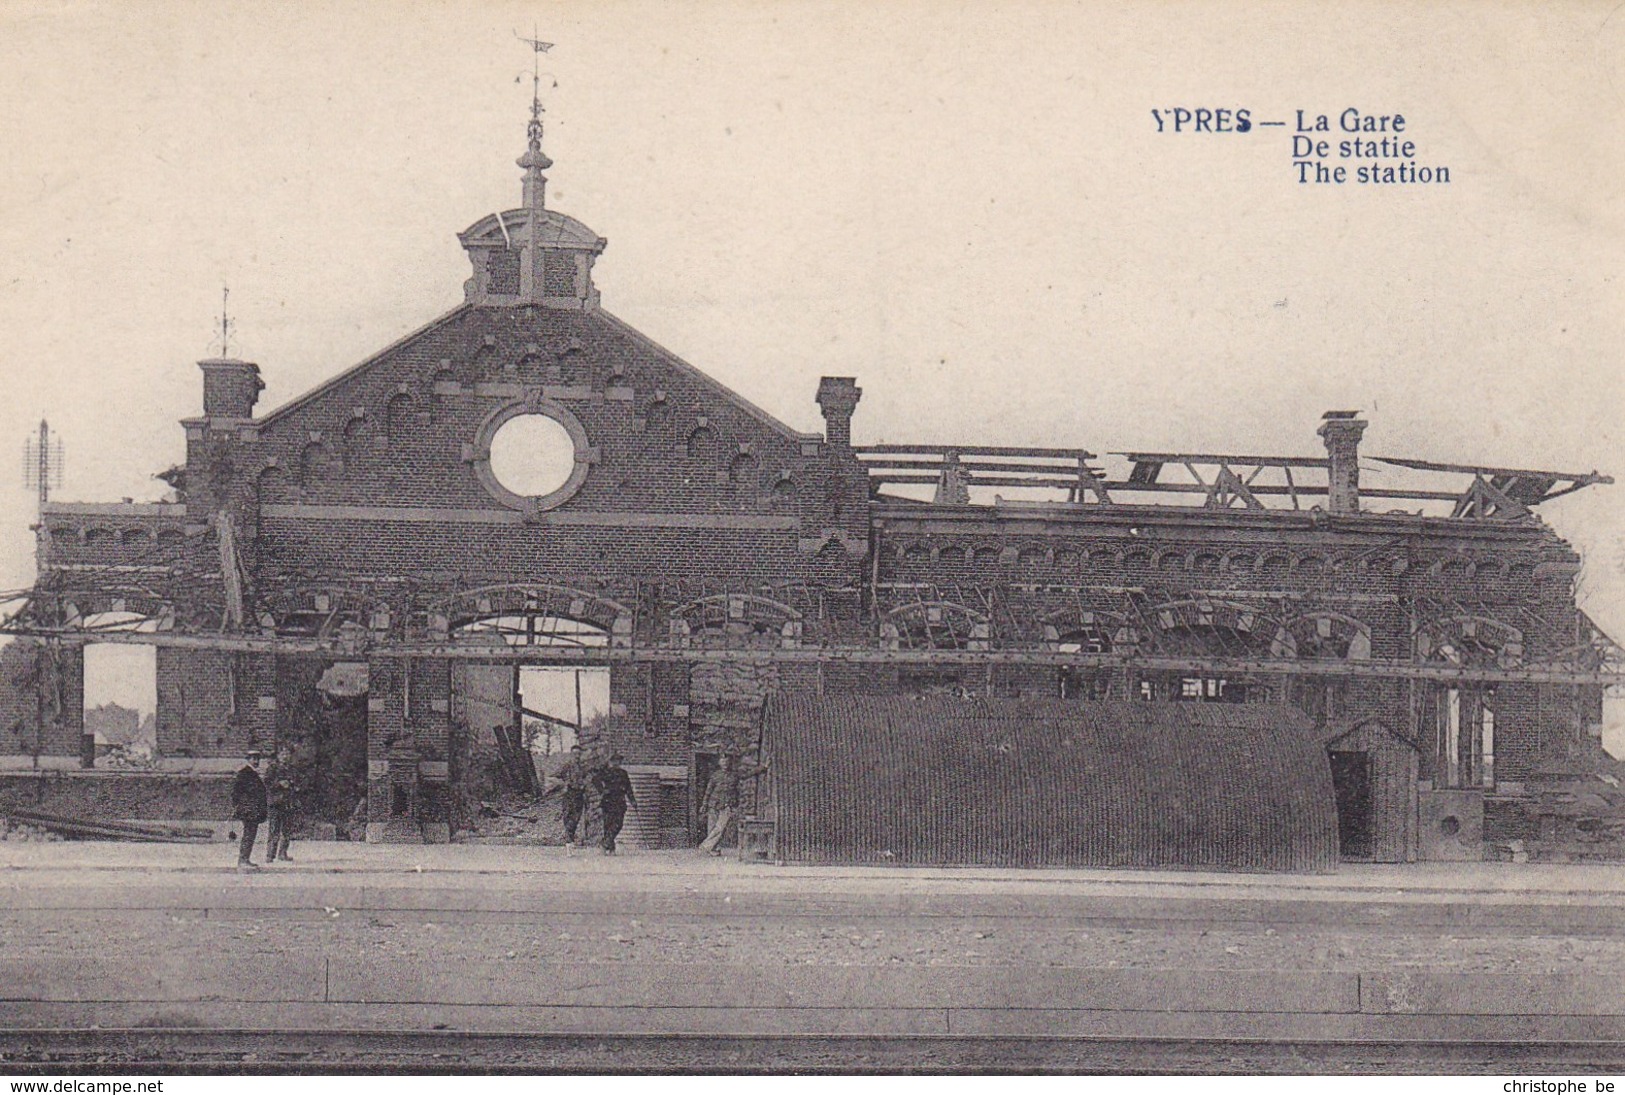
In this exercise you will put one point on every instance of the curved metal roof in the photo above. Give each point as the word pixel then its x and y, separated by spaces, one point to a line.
pixel 1046 783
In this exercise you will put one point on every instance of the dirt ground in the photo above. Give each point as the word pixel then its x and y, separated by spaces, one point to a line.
pixel 67 935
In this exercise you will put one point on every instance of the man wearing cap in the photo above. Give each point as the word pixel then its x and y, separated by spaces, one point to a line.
pixel 614 789
pixel 574 776
pixel 248 806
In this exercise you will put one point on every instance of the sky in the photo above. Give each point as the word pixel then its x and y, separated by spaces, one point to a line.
pixel 966 206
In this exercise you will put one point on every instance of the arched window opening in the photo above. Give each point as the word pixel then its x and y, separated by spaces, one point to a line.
pixel 358 450
pixel 398 418
pixel 702 444
pixel 314 465
pixel 744 470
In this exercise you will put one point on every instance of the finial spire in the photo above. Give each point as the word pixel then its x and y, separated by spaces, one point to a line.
pixel 225 321
pixel 535 161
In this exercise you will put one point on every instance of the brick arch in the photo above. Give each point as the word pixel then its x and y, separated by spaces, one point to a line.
pixel 657 412
pixel 1222 622
pixel 1172 559
pixel 529 362
pixel 315 464
pixel 70 609
pixel 1109 631
pixel 745 470
pixel 1136 558
pixel 1207 562
pixel 1102 556
pixel 357 440
pixel 1033 555
pixel 984 555
pixel 1311 565
pixel 742 619
pixel 480 358
pixel 1323 634
pixel 935 625
pixel 1452 566
pixel 571 362
pixel 1469 640
pixel 398 412
pixel 320 609
pixel 702 443
pixel 468 607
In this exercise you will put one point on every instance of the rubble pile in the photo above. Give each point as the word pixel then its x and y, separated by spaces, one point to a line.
pixel 133 757
pixel 1572 810
pixel 518 819
pixel 17 832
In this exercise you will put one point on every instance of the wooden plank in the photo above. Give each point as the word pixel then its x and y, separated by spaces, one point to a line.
pixel 977 450
pixel 1586 478
pixel 1210 458
pixel 974 465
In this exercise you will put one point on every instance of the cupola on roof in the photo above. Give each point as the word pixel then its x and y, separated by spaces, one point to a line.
pixel 532 254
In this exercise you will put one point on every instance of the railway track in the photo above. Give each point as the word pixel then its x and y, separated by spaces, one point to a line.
pixel 262 1052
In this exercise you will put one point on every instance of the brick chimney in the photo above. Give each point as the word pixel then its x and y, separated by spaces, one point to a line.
pixel 230 387
pixel 1341 431
pixel 838 397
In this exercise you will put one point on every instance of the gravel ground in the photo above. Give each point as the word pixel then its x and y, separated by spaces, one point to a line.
pixel 441 1054
pixel 63 936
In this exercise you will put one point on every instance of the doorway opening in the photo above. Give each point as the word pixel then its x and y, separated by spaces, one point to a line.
pixel 1351 785
pixel 120 706
pixel 562 706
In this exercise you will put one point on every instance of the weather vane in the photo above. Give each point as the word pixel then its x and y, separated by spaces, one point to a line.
pixel 225 321
pixel 538 47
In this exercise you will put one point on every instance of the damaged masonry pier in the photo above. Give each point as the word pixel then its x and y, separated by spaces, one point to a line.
pixel 1395 669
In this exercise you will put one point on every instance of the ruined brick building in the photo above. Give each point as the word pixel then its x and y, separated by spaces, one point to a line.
pixel 923 641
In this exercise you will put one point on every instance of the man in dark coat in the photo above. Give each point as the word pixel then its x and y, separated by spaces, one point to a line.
pixel 280 794
pixel 248 806
pixel 614 789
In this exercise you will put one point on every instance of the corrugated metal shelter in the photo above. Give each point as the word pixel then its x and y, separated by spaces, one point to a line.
pixel 940 780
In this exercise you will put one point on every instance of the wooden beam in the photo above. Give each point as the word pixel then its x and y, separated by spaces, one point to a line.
pixel 1210 458
pixel 1578 478
pixel 856 654
pixel 978 450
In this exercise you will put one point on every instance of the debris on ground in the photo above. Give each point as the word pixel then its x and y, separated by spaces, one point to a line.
pixel 518 819
pixel 17 832
pixel 76 828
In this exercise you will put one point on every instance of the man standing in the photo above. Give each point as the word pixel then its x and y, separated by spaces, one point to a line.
pixel 614 788
pixel 722 800
pixel 279 800
pixel 248 806
pixel 574 777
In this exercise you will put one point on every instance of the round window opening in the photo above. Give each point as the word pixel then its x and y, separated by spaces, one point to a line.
pixel 532 455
